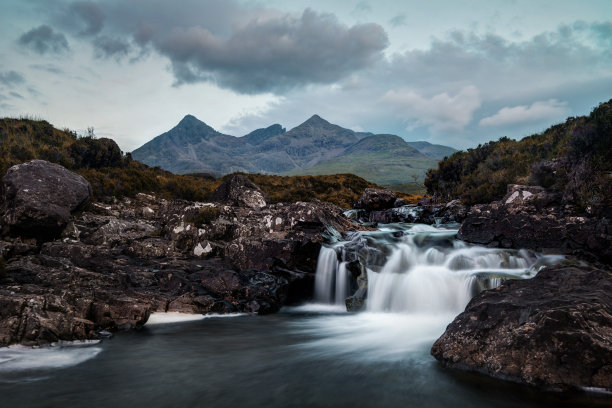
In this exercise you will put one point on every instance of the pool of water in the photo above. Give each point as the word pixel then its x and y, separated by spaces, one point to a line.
pixel 309 356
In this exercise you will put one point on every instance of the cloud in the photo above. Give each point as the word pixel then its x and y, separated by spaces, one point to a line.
pixel 398 20
pixel 43 39
pixel 51 68
pixel 10 78
pixel 105 47
pixel 275 54
pixel 441 112
pixel 90 17
pixel 537 111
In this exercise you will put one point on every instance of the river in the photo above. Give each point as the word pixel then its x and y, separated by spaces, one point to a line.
pixel 315 355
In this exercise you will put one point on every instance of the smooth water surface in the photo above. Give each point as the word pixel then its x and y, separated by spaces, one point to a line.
pixel 313 356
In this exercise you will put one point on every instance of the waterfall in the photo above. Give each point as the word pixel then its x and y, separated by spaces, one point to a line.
pixel 419 268
pixel 331 279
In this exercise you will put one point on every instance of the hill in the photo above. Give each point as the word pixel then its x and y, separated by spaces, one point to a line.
pixel 113 174
pixel 314 147
pixel 573 159
pixel 384 159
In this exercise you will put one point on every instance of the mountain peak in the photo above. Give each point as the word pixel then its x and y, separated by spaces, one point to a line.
pixel 315 120
pixel 189 119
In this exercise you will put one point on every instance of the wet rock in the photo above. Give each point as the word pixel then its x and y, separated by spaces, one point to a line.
pixel 38 198
pixel 241 192
pixel 553 331
pixel 375 199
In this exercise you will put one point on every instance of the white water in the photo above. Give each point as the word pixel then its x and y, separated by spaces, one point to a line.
pixel 21 358
pixel 426 269
pixel 177 317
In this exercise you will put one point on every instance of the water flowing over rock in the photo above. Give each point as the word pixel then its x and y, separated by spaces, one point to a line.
pixel 38 197
pixel 415 269
pixel 553 331
pixel 525 218
pixel 241 192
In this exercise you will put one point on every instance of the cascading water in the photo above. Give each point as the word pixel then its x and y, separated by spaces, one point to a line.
pixel 331 280
pixel 419 268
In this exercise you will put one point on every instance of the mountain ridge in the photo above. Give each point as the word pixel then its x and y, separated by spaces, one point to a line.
pixel 309 148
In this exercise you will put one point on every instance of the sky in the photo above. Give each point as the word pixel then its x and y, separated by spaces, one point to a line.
pixel 444 71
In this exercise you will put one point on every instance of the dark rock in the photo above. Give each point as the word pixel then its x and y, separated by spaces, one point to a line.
pixel 375 199
pixel 38 198
pixel 525 219
pixel 241 192
pixel 553 331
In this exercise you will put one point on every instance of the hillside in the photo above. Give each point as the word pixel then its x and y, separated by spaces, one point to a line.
pixel 384 159
pixel 112 174
pixel 314 147
pixel 573 159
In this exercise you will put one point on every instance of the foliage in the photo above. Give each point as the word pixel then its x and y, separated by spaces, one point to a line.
pixel 573 158
pixel 113 175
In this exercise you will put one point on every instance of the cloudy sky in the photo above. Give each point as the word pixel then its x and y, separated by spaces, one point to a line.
pixel 456 73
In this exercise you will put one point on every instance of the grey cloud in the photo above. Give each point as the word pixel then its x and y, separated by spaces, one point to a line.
pixel 399 20
pixel 90 16
pixel 464 89
pixel 275 54
pixel 16 95
pixel 105 47
pixel 43 39
pixel 10 78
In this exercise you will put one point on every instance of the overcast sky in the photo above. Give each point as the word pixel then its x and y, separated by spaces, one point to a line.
pixel 456 73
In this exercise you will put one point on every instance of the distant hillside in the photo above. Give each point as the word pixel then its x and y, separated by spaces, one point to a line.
pixel 314 147
pixel 435 151
pixel 112 174
pixel 384 159
pixel 573 159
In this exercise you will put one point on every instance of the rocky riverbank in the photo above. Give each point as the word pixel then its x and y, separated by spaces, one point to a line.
pixel 553 331
pixel 72 270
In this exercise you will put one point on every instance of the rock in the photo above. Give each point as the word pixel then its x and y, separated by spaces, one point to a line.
pixel 38 198
pixel 241 192
pixel 525 218
pixel 553 331
pixel 375 199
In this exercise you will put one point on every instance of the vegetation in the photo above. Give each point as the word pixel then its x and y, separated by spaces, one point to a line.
pixel 205 216
pixel 113 174
pixel 573 159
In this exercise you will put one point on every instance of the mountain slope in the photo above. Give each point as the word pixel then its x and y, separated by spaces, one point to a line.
pixel 313 147
pixel 383 159
pixel 435 151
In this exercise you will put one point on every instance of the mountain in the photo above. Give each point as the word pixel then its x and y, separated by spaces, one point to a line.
pixel 313 147
pixel 435 151
pixel 388 159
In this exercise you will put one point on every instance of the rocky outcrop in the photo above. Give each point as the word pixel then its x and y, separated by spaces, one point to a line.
pixel 38 198
pixel 527 218
pixel 116 263
pixel 553 331
pixel 241 192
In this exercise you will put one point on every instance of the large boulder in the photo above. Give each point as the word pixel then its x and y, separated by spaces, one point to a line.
pixel 374 199
pixel 241 192
pixel 38 198
pixel 553 331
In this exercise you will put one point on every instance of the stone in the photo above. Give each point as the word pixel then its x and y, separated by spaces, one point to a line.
pixel 241 192
pixel 38 198
pixel 553 331
pixel 527 217
pixel 376 199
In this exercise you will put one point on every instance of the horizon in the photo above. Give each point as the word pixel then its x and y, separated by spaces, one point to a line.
pixel 440 73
